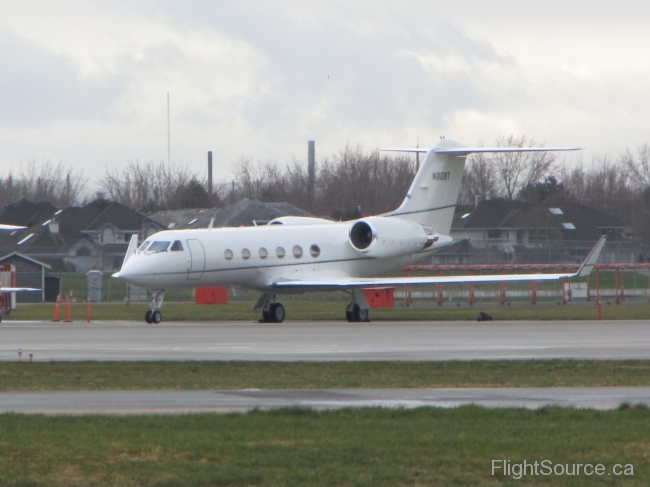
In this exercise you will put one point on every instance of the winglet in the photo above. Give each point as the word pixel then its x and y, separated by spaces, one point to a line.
pixel 589 263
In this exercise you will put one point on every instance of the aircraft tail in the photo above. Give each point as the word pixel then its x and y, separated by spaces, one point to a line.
pixel 433 195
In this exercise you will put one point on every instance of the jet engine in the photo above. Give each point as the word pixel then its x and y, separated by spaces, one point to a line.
pixel 389 237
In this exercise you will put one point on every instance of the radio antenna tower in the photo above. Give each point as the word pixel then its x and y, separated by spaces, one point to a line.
pixel 169 135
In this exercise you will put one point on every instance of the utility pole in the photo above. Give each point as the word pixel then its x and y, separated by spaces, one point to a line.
pixel 311 171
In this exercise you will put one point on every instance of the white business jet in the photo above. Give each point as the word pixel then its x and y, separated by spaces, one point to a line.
pixel 298 255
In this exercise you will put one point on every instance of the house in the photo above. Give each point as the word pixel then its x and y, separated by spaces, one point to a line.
pixel 499 221
pixel 94 236
pixel 507 231
pixel 29 273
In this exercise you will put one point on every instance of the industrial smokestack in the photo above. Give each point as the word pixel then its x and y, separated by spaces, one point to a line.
pixel 311 169
pixel 210 174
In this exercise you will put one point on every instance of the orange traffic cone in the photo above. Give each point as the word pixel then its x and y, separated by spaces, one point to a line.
pixel 56 307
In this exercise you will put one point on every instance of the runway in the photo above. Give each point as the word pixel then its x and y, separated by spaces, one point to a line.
pixel 180 402
pixel 325 341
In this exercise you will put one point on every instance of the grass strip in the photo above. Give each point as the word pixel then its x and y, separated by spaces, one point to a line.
pixel 98 376
pixel 360 447
pixel 335 311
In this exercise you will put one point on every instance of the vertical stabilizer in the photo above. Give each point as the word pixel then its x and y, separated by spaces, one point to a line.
pixel 432 197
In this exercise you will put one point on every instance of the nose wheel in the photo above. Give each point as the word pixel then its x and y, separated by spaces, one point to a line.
pixel 153 316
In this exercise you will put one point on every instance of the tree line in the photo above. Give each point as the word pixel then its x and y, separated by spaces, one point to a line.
pixel 355 181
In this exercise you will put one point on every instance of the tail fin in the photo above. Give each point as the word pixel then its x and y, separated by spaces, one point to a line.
pixel 432 197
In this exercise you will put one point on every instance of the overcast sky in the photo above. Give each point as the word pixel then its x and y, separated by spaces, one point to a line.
pixel 86 82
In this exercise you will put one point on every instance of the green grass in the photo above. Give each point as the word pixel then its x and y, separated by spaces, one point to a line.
pixel 96 376
pixel 366 447
pixel 334 311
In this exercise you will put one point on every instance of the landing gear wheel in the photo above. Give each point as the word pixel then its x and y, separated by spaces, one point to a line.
pixel 354 313
pixel 349 313
pixel 147 317
pixel 266 314
pixel 277 313
pixel 156 316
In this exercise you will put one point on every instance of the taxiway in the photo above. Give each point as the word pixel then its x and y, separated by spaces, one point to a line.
pixel 325 341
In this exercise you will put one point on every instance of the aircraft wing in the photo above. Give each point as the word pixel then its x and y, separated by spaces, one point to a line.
pixel 354 282
pixel 17 289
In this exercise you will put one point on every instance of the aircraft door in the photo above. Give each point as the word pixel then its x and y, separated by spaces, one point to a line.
pixel 197 254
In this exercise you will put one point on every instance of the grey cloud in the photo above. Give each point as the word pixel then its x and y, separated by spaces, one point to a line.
pixel 371 83
pixel 38 86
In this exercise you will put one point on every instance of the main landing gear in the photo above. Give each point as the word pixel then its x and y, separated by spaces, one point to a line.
pixel 355 313
pixel 154 315
pixel 272 312
pixel 357 310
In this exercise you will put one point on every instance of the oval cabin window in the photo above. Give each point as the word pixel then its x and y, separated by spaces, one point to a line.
pixel 314 250
pixel 264 253
pixel 297 251
pixel 227 254
pixel 279 252
pixel 245 254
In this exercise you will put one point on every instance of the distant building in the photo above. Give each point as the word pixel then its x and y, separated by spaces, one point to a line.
pixel 74 239
pixel 517 231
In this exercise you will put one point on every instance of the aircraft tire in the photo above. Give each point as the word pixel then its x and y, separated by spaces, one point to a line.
pixel 156 316
pixel 266 315
pixel 147 317
pixel 349 314
pixel 277 313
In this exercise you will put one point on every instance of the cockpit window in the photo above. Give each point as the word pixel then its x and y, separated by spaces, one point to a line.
pixel 144 245
pixel 177 246
pixel 159 246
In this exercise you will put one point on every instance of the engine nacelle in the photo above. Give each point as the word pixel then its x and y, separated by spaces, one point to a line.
pixel 389 237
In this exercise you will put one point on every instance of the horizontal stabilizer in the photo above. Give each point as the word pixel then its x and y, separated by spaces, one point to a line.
pixel 464 151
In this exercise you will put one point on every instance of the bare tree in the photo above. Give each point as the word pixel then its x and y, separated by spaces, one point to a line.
pixel 638 164
pixel 518 169
pixel 57 183
pixel 152 186
pixel 479 180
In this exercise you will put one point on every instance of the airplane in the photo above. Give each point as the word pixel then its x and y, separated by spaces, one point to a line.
pixel 304 254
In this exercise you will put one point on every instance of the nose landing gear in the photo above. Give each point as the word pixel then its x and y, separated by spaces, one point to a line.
pixel 154 315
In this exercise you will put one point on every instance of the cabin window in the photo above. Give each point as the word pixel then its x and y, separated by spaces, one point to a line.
pixel 297 251
pixel 144 245
pixel 245 254
pixel 177 246
pixel 314 250
pixel 228 254
pixel 264 253
pixel 159 246
pixel 279 252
